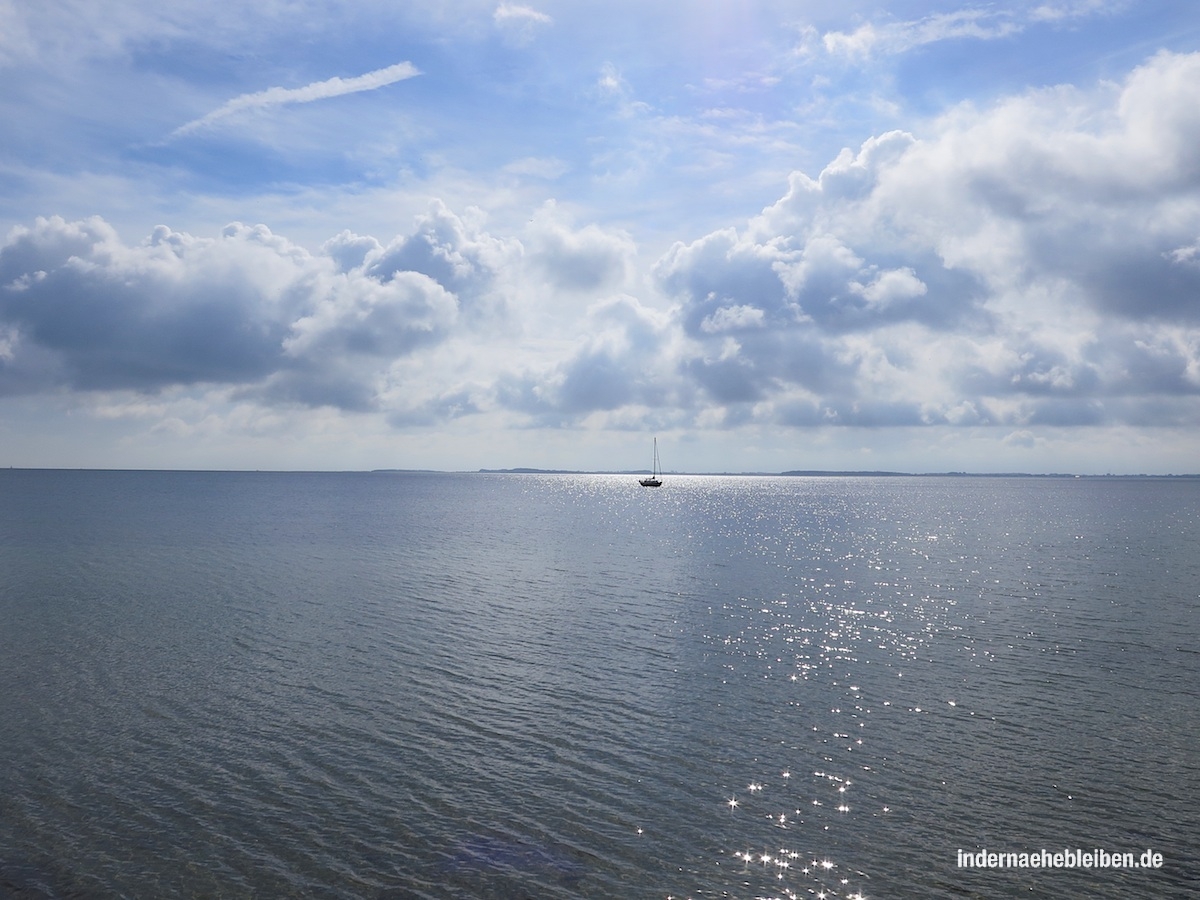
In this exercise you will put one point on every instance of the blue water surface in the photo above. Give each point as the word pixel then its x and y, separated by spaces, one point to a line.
pixel 386 685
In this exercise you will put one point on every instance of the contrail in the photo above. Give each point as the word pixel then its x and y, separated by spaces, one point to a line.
pixel 318 90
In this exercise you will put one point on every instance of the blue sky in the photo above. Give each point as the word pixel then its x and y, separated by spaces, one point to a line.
pixel 810 235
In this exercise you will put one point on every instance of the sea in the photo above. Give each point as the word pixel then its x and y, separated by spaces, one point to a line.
pixel 414 685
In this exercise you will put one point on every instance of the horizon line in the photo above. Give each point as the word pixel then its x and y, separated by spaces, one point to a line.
pixel 789 473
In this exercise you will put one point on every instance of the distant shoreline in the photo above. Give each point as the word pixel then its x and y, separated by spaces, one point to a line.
pixel 818 473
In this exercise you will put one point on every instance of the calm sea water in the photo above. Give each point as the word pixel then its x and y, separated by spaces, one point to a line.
pixel 452 686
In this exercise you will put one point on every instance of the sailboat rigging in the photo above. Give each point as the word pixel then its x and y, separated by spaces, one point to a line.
pixel 655 479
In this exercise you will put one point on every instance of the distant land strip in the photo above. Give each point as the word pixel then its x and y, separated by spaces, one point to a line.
pixel 814 473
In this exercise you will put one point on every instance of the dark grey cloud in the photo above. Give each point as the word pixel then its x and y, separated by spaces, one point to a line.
pixel 442 408
pixel 1141 284
pixel 306 384
pixel 118 317
pixel 727 381
pixel 874 414
pixel 1164 365
pixel 1070 413
pixel 248 310
pixel 1036 370
pixel 621 363
pixel 597 379
pixel 722 271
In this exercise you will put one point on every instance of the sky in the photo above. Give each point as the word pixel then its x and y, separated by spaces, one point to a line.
pixel 842 235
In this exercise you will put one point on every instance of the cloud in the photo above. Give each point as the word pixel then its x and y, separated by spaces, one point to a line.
pixel 318 90
pixel 573 259
pixel 362 316
pixel 1023 438
pixel 519 24
pixel 725 269
pixel 621 360
pixel 1095 192
pixel 897 37
pixel 733 318
pixel 1031 263
pixel 249 310
pixel 893 286
pixel 453 250
pixel 515 12
pixel 349 250
pixel 1027 265
pixel 97 314
pixel 976 23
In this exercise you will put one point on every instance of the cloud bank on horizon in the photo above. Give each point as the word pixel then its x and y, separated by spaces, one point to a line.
pixel 961 238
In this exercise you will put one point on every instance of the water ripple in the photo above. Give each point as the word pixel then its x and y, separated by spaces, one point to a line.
pixel 512 686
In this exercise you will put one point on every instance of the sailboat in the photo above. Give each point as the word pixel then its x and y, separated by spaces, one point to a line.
pixel 655 479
